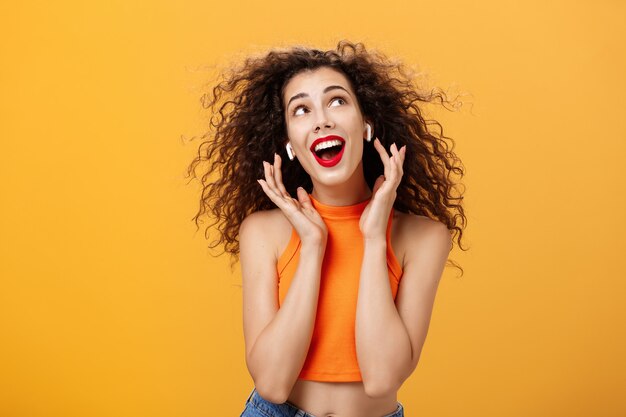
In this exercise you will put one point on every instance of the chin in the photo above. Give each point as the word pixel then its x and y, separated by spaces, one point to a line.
pixel 334 177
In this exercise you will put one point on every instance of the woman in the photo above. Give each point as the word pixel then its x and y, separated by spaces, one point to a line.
pixel 339 281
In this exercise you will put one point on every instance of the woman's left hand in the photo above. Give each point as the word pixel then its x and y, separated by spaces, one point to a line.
pixel 373 222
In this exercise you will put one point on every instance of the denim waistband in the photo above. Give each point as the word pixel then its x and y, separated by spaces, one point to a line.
pixel 287 409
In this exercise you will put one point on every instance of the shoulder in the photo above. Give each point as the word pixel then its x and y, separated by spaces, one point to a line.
pixel 256 226
pixel 420 235
pixel 413 223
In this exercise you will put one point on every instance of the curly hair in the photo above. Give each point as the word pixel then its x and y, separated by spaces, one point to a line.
pixel 247 126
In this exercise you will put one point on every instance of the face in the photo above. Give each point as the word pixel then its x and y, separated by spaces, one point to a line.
pixel 318 104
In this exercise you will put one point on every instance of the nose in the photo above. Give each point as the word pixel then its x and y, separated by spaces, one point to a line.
pixel 323 121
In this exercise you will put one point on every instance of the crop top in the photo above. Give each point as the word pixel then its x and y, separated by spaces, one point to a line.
pixel 332 352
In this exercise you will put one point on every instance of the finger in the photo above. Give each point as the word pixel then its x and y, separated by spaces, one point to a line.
pixel 270 187
pixel 381 150
pixel 394 149
pixel 401 152
pixel 394 152
pixel 268 191
pixel 307 205
pixel 279 175
pixel 402 155
pixel 400 164
pixel 395 162
pixel 399 157
pixel 274 196
pixel 303 198
pixel 383 156
pixel 269 176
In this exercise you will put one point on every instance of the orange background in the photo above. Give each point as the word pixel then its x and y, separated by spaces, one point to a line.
pixel 110 303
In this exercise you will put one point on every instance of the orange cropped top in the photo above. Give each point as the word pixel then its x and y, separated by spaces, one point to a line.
pixel 332 352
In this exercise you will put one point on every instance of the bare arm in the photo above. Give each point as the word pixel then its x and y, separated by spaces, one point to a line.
pixel 382 343
pixel 390 336
pixel 278 340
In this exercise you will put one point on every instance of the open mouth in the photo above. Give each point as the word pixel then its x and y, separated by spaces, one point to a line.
pixel 329 153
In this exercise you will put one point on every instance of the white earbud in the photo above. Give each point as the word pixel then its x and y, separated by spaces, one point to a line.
pixel 290 152
pixel 369 132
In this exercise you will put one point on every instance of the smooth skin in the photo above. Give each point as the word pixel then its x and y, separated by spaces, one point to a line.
pixel 390 335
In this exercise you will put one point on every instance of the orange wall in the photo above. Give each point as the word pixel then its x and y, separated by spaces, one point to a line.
pixel 110 304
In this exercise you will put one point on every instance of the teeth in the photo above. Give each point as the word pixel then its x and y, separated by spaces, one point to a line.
pixel 327 144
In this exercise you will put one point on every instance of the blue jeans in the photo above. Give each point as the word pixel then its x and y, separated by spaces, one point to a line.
pixel 257 406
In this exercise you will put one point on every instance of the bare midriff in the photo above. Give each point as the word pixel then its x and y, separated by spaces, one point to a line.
pixel 339 399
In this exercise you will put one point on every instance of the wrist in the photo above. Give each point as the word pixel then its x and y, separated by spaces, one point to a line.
pixel 375 241
pixel 317 248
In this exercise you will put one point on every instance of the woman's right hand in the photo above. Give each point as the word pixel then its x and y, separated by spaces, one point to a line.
pixel 300 212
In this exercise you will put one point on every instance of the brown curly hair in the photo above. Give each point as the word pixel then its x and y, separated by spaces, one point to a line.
pixel 247 126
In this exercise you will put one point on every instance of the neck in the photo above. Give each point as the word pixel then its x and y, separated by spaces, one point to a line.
pixel 349 193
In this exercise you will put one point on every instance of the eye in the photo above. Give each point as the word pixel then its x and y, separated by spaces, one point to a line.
pixel 295 110
pixel 338 98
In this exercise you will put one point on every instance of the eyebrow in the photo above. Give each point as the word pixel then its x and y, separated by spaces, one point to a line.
pixel 326 90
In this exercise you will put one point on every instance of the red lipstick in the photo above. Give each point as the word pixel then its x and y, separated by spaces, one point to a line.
pixel 328 162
